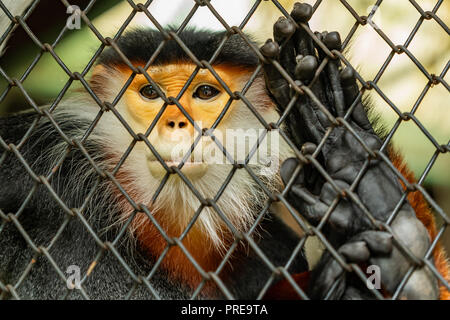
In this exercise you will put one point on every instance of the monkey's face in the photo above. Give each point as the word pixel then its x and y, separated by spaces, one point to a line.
pixel 202 101
pixel 171 133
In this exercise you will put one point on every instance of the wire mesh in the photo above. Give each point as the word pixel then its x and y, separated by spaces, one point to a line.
pixel 8 290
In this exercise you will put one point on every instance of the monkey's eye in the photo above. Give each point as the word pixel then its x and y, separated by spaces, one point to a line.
pixel 148 92
pixel 205 92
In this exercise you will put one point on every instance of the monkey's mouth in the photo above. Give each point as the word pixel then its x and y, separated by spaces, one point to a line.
pixel 194 170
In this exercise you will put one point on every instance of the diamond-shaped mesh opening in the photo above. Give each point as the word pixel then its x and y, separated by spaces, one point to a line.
pixel 81 207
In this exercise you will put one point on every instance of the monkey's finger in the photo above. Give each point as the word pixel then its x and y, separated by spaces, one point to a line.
pixel 283 31
pixel 301 13
pixel 321 36
pixel 308 205
pixel 307 197
pixel 327 274
pixel 330 273
pixel 306 68
pixel 351 92
pixel 279 87
pixel 379 242
pixel 356 252
pixel 341 218
pixel 299 196
pixel 312 122
pixel 324 87
pixel 308 175
pixel 270 49
pixel 287 171
pixel 275 82
pixel 345 217
pixel 329 193
pixel 333 42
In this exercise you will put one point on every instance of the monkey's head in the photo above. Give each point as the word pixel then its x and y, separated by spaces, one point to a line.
pixel 201 104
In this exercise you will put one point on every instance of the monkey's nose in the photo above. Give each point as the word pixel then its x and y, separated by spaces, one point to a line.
pixel 174 128
pixel 176 124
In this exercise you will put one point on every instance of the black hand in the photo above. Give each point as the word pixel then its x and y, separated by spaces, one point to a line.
pixel 329 272
pixel 329 96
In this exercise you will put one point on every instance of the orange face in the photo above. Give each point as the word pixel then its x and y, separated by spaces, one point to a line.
pixel 203 100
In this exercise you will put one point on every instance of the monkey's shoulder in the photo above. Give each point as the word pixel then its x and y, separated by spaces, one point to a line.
pixel 13 127
pixel 31 124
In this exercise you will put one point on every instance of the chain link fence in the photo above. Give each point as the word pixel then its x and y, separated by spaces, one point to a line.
pixel 8 290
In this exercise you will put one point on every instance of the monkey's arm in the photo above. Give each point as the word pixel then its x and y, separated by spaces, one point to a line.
pixel 13 175
pixel 15 185
pixel 361 208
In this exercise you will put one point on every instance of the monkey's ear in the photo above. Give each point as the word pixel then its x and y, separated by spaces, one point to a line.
pixel 98 70
pixel 99 79
pixel 107 80
pixel 99 73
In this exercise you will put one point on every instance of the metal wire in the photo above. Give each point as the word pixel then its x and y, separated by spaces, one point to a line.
pixel 6 218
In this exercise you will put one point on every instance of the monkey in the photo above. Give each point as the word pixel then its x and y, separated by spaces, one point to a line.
pixel 108 181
